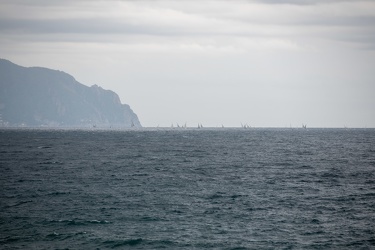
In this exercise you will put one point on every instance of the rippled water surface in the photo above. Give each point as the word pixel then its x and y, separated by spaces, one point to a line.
pixel 187 189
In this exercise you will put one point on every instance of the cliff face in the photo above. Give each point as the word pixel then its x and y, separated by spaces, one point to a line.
pixel 44 97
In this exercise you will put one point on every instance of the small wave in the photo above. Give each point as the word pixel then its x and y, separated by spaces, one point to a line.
pixel 16 151
pixel 145 243
pixel 217 195
pixel 58 193
pixel 78 222
pixel 315 221
pixel 75 223
pixel 148 218
pixel 285 164
pixel 20 203
pixel 330 175
pixel 52 235
pixel 99 222
pixel 238 248
pixel 234 196
pixel 135 156
pixel 50 163
pixel 63 236
pixel 119 243
pixel 140 174
pixel 9 240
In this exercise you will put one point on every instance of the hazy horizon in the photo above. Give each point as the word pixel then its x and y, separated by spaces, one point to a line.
pixel 264 63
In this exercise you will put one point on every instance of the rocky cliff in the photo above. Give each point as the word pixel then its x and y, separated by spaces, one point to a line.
pixel 43 97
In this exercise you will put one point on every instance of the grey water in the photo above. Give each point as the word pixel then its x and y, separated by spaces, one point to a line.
pixel 187 189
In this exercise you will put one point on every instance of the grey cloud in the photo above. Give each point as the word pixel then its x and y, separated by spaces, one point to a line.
pixel 325 21
pixel 66 26
pixel 82 26
pixel 42 3
pixel 356 28
pixel 359 21
pixel 365 40
pixel 97 26
pixel 66 2
pixel 113 26
pixel 302 2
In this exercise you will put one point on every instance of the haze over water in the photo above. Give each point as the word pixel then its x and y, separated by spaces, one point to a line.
pixel 187 189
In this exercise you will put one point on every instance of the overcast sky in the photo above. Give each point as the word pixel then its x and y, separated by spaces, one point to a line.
pixel 267 63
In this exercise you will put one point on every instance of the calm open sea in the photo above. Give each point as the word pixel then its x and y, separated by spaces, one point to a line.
pixel 187 189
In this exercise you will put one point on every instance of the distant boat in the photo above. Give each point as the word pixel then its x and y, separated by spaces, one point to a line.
pixel 304 126
pixel 200 125
pixel 245 126
pixel 132 125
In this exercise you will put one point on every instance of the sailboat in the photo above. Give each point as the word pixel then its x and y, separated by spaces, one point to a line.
pixel 245 126
pixel 304 126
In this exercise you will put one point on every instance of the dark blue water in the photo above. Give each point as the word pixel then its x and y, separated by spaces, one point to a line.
pixel 187 189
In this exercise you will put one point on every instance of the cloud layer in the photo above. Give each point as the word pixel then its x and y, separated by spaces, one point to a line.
pixel 290 21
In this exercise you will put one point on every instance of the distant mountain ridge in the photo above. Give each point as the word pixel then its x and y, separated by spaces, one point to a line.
pixel 38 96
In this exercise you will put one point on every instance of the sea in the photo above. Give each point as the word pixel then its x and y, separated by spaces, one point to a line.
pixel 218 188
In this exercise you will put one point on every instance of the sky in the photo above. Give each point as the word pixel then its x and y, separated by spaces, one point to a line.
pixel 265 63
